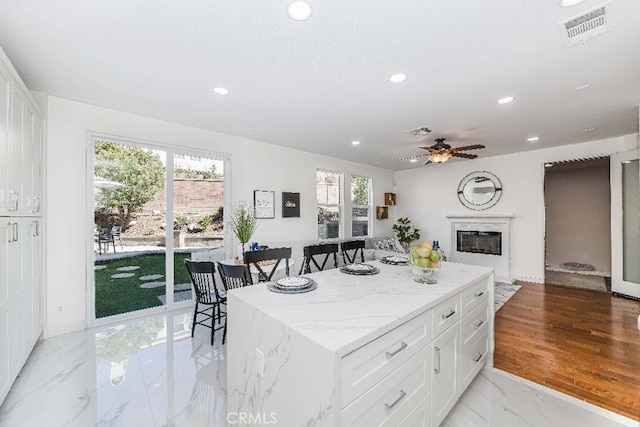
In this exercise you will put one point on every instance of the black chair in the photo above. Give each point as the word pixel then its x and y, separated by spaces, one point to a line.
pixel 255 257
pixel 116 232
pixel 310 251
pixel 202 276
pixel 104 238
pixel 234 276
pixel 355 246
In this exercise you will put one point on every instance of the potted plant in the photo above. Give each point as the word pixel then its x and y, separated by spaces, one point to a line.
pixel 405 233
pixel 243 222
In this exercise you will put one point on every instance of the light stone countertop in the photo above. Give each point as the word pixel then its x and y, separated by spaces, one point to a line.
pixel 347 311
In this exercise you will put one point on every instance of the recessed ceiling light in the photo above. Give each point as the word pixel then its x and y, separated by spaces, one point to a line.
pixel 533 139
pixel 626 162
pixel 569 3
pixel 413 160
pixel 579 88
pixel 398 78
pixel 355 142
pixel 588 130
pixel 221 91
pixel 548 165
pixel 299 10
pixel 505 100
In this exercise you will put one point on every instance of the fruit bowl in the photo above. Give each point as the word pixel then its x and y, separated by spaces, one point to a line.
pixel 424 261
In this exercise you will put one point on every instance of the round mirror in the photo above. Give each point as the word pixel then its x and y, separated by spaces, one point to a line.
pixel 479 190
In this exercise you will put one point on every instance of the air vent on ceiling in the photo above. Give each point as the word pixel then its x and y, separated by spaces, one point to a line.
pixel 421 131
pixel 584 27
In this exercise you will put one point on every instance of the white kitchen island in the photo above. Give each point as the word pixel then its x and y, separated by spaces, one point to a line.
pixel 358 350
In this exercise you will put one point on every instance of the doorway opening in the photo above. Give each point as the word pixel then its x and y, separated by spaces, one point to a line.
pixel 578 224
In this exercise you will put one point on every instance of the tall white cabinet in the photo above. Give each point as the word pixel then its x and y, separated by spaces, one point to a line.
pixel 21 138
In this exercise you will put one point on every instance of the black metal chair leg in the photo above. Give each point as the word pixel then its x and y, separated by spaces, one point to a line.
pixel 224 334
pixel 195 313
pixel 213 322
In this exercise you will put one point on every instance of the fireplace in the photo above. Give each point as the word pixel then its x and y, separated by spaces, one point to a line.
pixel 479 242
pixel 482 239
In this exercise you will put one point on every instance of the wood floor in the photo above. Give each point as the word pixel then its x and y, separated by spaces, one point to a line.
pixel 582 343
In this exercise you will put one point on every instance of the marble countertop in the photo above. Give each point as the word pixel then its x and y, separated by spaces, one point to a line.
pixel 347 311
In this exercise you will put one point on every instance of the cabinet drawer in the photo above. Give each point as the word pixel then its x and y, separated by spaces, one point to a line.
pixel 394 397
pixel 445 314
pixel 474 324
pixel 474 359
pixel 366 366
pixel 419 416
pixel 475 295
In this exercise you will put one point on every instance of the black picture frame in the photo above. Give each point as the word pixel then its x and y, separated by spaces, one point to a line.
pixel 264 204
pixel 290 205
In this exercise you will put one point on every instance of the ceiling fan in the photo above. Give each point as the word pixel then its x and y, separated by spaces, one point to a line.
pixel 440 152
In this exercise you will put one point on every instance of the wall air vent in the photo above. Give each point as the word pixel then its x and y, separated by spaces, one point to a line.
pixel 584 27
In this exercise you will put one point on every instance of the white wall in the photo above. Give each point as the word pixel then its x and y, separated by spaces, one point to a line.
pixel 254 166
pixel 426 195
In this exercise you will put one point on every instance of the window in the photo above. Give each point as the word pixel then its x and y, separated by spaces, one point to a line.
pixel 328 185
pixel 360 205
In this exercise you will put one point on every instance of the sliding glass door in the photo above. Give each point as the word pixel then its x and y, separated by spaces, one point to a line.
pixel 153 207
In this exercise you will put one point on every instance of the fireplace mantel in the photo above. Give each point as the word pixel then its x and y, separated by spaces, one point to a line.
pixel 483 222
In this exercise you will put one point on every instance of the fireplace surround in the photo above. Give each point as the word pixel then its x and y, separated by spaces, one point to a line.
pixel 482 239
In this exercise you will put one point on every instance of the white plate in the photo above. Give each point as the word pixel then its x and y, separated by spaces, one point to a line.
pixel 359 267
pixel 293 282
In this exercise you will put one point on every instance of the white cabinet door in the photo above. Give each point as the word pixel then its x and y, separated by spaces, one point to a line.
pixel 5 102
pixel 15 302
pixel 16 146
pixel 444 373
pixel 32 256
pixel 36 165
pixel 27 202
pixel 5 234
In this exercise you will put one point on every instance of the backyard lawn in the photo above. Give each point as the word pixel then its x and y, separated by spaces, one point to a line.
pixel 119 294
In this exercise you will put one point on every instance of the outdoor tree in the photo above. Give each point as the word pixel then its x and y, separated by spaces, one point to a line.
pixel 140 170
pixel 360 191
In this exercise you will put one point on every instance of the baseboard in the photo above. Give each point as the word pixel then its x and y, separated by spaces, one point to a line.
pixel 528 278
pixel 63 329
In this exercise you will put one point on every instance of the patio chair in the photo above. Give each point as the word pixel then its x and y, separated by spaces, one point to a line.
pixel 116 232
pixel 208 294
pixel 104 238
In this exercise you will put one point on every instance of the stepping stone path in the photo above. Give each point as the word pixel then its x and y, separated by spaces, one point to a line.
pixel 122 275
pixel 99 267
pixel 151 277
pixel 150 285
pixel 182 287
pixel 129 268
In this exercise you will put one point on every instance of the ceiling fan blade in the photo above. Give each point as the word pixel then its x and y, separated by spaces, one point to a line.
pixel 427 148
pixel 464 155
pixel 468 147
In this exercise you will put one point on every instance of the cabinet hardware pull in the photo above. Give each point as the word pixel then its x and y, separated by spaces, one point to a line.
pixel 446 316
pixel 11 237
pixel 478 357
pixel 37 204
pixel 403 345
pixel 36 228
pixel 479 323
pixel 479 294
pixel 13 197
pixel 395 402
pixel 15 233
pixel 438 353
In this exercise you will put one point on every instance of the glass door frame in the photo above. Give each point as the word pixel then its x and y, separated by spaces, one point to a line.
pixel 170 151
pixel 618 284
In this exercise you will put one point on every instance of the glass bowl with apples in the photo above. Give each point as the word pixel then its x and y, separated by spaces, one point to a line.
pixel 424 261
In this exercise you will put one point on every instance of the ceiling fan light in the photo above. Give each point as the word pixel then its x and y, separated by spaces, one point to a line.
pixel 439 157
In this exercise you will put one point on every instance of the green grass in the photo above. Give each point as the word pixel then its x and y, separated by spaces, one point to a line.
pixel 117 296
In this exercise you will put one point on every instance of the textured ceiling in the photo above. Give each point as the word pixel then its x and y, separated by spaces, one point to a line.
pixel 319 84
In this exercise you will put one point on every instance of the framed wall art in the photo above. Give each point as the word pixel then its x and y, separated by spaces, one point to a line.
pixel 264 204
pixel 290 205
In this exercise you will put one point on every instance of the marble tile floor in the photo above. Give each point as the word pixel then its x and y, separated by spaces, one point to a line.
pixel 149 372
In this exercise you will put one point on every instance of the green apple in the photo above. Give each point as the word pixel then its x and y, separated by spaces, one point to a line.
pixel 424 262
pixel 434 256
pixel 423 252
pixel 413 252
